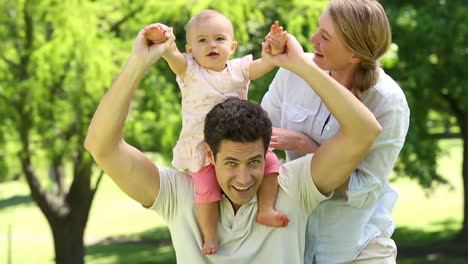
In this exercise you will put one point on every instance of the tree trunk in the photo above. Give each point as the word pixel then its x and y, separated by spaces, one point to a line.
pixel 463 235
pixel 67 213
pixel 68 242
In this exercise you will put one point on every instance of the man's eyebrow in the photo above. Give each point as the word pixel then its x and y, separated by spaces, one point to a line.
pixel 255 157
pixel 231 158
pixel 236 159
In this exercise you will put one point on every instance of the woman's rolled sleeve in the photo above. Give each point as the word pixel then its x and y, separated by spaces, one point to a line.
pixel 363 190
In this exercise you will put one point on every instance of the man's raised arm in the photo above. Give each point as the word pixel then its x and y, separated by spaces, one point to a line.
pixel 128 167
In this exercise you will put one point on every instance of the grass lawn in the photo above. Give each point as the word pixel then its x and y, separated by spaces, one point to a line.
pixel 121 231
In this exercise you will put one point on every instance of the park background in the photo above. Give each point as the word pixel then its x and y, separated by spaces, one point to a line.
pixel 58 58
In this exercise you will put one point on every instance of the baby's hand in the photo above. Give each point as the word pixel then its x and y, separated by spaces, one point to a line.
pixel 156 33
pixel 276 38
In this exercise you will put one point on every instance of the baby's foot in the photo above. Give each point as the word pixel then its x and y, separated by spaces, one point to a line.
pixel 277 38
pixel 210 246
pixel 156 33
pixel 272 218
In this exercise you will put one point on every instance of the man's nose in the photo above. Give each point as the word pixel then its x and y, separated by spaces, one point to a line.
pixel 244 176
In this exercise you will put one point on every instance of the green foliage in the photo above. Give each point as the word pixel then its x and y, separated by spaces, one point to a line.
pixel 57 64
pixel 431 69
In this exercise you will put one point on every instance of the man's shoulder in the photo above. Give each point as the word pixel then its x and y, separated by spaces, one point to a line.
pixel 176 189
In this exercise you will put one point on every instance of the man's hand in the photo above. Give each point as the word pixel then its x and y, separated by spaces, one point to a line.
pixel 148 52
pixel 277 38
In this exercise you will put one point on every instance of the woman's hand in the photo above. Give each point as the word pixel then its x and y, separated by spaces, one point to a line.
pixel 291 58
pixel 287 139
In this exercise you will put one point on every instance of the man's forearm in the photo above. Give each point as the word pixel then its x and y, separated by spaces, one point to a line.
pixel 106 128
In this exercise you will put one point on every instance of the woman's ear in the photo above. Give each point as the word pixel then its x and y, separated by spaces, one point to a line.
pixel 355 59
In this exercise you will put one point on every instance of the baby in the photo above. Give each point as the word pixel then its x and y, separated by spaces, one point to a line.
pixel 207 77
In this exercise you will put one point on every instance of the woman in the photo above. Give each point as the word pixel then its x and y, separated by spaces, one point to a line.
pixel 355 225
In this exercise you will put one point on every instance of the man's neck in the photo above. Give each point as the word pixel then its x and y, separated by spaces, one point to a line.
pixel 235 207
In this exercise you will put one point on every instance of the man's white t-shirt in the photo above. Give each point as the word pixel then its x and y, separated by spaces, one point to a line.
pixel 240 238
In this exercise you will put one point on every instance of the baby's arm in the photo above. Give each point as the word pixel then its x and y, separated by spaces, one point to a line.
pixel 158 33
pixel 276 39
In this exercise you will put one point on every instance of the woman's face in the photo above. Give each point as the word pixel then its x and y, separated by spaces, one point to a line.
pixel 330 50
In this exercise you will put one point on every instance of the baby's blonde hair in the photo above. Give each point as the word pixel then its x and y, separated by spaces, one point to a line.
pixel 364 27
pixel 202 15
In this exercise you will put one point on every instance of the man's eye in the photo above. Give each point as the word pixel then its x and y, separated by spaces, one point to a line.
pixel 255 162
pixel 230 164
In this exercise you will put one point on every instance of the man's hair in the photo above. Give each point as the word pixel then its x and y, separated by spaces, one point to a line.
pixel 236 120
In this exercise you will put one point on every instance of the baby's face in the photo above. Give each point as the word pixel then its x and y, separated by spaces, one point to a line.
pixel 211 42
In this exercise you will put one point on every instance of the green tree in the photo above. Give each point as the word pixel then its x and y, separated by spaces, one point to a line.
pixel 59 57
pixel 432 68
pixel 50 73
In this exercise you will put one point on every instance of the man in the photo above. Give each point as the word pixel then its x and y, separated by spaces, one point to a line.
pixel 237 135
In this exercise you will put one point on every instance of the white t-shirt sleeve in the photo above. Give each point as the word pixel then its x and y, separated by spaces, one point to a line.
pixel 176 191
pixel 296 179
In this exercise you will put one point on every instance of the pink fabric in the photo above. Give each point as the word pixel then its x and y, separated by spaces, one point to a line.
pixel 271 163
pixel 207 189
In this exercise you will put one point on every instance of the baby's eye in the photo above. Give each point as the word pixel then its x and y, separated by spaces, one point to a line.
pixel 202 40
pixel 220 39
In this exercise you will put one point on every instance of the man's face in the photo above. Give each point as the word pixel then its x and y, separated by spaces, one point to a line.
pixel 239 169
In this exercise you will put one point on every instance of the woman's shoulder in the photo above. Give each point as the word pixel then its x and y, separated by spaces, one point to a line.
pixel 385 92
pixel 386 86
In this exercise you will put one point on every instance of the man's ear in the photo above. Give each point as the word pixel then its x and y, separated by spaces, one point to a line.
pixel 188 48
pixel 209 154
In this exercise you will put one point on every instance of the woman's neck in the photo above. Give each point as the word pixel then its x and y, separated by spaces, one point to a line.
pixel 344 77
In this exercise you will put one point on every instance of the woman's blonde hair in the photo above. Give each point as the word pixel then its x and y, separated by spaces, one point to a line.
pixel 364 27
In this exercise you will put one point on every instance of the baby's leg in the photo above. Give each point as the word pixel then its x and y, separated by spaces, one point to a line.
pixel 156 32
pixel 267 195
pixel 207 195
pixel 208 214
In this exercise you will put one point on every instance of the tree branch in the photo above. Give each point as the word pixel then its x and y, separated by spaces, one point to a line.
pixel 116 26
